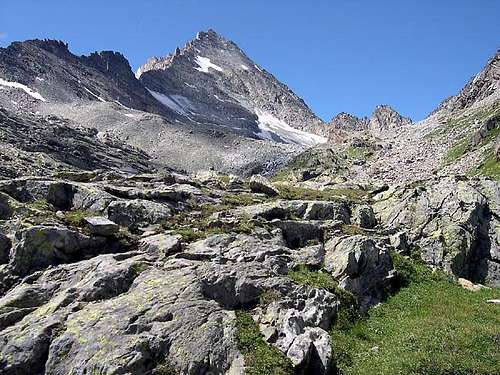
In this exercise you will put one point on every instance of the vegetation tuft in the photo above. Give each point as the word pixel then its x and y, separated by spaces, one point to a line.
pixel 260 357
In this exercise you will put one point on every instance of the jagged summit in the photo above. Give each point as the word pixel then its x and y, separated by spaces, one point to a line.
pixel 383 118
pixel 211 80
pixel 485 84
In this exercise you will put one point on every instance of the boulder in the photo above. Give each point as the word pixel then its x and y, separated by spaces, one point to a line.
pixel 132 213
pixel 41 246
pixel 5 245
pixel 320 210
pixel 298 323
pixel 101 226
pixel 361 266
pixel 260 184
pixel 300 233
pixel 453 220
pixel 365 217
pixel 164 244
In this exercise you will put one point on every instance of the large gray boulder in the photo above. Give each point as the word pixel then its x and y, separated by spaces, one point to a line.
pixel 298 323
pixel 453 221
pixel 133 213
pixel 361 266
pixel 41 246
pixel 101 226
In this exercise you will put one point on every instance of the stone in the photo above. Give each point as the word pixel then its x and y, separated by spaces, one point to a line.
pixel 299 233
pixel 132 213
pixel 469 285
pixel 164 244
pixel 320 210
pixel 260 184
pixel 399 241
pixel 361 266
pixel 101 226
pixel 311 351
pixel 365 217
pixel 41 246
pixel 5 245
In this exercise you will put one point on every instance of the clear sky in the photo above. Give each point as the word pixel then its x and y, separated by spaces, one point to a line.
pixel 344 55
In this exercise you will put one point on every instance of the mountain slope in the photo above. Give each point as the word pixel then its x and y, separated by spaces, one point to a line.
pixel 211 80
pixel 35 72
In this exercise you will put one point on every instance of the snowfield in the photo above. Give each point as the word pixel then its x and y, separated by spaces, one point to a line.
pixel 177 103
pixel 204 64
pixel 25 88
pixel 270 127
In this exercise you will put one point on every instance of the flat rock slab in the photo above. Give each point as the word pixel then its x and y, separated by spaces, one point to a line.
pixel 101 226
pixel 161 243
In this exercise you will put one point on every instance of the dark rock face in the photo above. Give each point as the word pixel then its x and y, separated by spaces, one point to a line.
pixel 49 68
pixel 35 145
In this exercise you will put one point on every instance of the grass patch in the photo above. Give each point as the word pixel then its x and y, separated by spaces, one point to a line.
pixel 431 326
pixel 260 357
pixel 304 275
pixel 489 167
pixel 456 152
pixel 238 200
pixel 359 153
pixel 268 296
pixel 297 193
pixel 75 218
pixel 427 328
pixel 352 229
pixel 197 224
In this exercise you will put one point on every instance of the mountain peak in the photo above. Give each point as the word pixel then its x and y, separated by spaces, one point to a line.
pixel 483 85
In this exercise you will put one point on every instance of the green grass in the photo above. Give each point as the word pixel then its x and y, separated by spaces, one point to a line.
pixel 456 152
pixel 304 275
pixel 489 167
pixel 359 153
pixel 260 357
pixel 432 326
pixel 75 218
pixel 293 193
pixel 196 224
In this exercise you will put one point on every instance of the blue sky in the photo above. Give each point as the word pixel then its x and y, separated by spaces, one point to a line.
pixel 347 55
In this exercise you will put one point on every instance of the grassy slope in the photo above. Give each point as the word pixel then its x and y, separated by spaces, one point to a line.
pixel 432 326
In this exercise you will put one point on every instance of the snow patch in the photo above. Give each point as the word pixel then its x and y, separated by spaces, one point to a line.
pixel 177 103
pixel 192 86
pixel 94 95
pixel 244 67
pixel 25 88
pixel 259 69
pixel 204 64
pixel 130 115
pixel 40 79
pixel 270 127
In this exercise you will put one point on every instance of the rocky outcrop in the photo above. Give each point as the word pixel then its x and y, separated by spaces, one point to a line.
pixel 385 118
pixel 485 84
pixel 453 221
pixel 362 267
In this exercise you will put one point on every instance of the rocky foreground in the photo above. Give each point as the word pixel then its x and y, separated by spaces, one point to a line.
pixel 113 273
